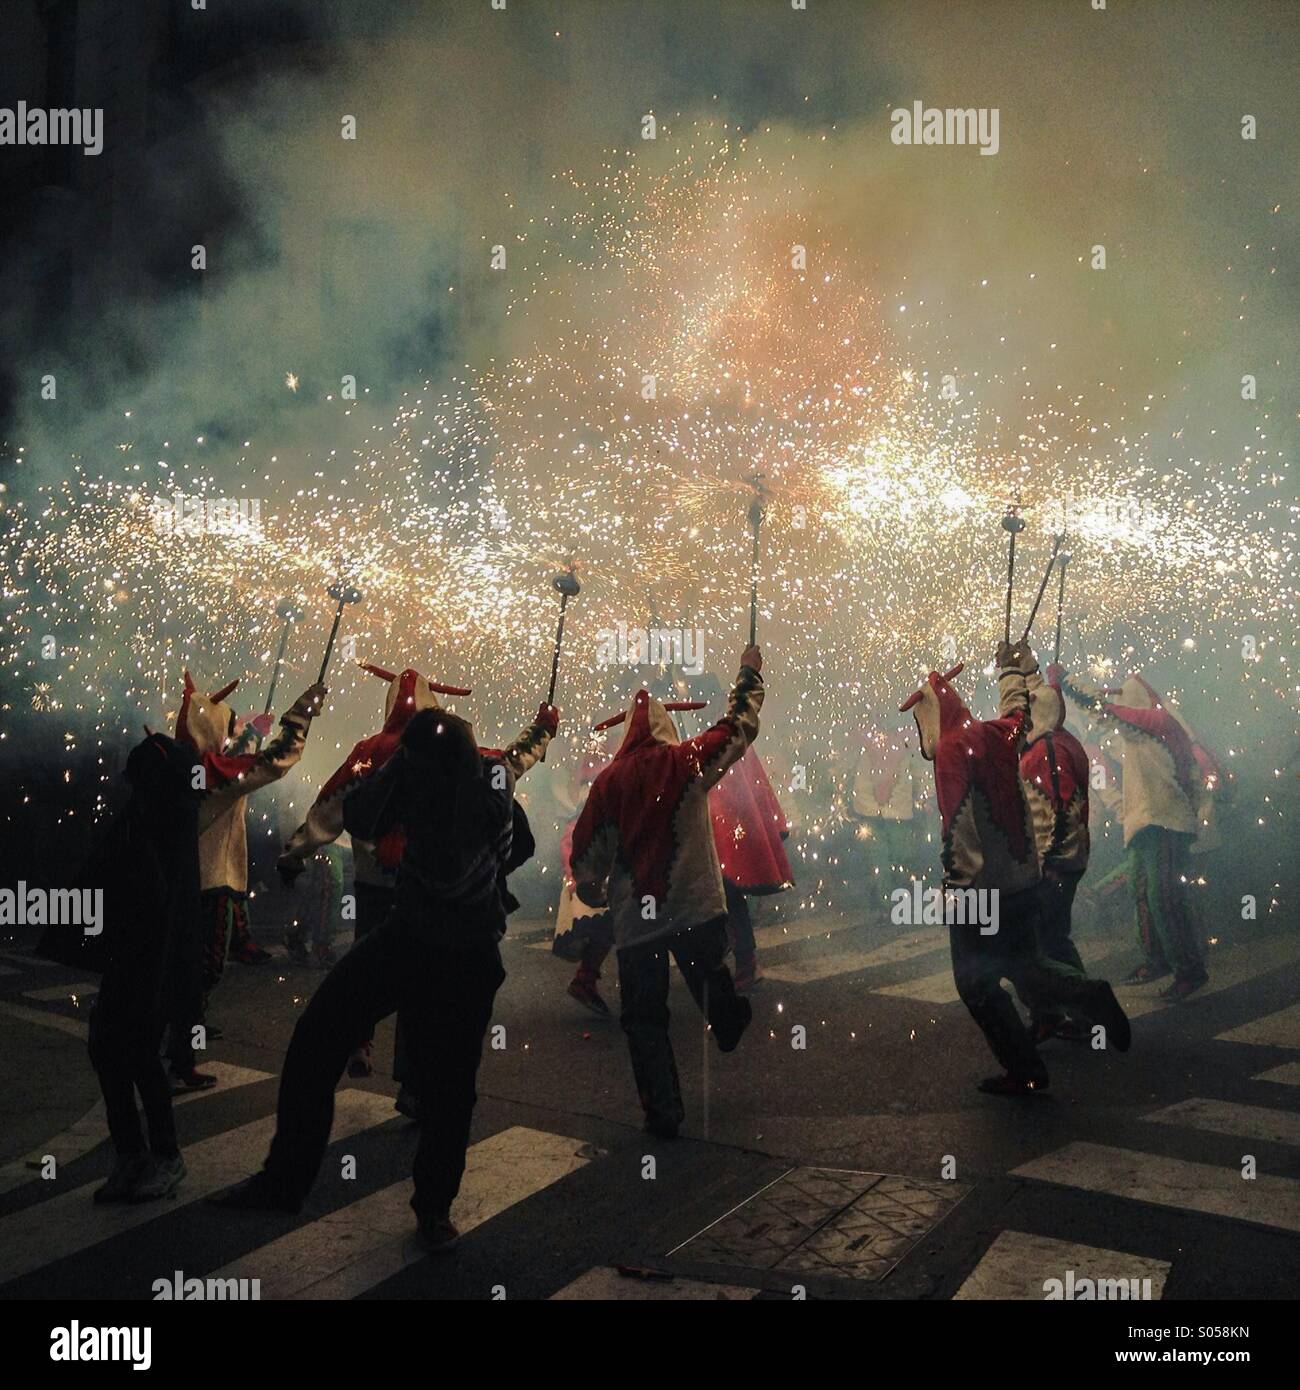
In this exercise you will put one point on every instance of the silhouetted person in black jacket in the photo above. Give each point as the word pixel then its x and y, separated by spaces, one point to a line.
pixel 435 956
pixel 148 867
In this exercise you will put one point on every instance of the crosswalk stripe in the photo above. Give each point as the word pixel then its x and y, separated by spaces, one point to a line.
pixel 45 1018
pixel 344 1254
pixel 1288 1074
pixel 64 1225
pixel 1018 1265
pixel 846 961
pixel 606 1285
pixel 1228 966
pixel 813 927
pixel 1281 1029
pixel 1227 1117
pixel 92 1128
pixel 28 962
pixel 1171 1182
pixel 940 988
pixel 78 993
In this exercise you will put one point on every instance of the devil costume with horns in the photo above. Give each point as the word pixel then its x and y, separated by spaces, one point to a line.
pixel 644 846
pixel 208 725
pixel 1162 783
pixel 1054 771
pixel 988 845
pixel 749 833
pixel 375 865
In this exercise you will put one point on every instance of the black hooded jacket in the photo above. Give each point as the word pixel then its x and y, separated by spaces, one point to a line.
pixel 147 864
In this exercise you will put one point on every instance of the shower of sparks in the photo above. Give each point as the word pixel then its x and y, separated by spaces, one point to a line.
pixel 668 345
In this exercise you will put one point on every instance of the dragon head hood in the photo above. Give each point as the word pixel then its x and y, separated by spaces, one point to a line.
pixel 205 722
pixel 937 709
pixel 647 722
pixel 408 693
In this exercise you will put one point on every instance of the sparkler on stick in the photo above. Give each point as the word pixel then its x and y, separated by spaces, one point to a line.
pixel 756 512
pixel 566 585
pixel 1013 523
pixel 1062 560
pixel 289 613
pixel 1042 588
pixel 343 594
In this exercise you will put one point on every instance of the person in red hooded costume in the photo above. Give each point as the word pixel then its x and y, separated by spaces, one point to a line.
pixel 644 846
pixel 1054 770
pixel 1162 783
pixel 749 832
pixel 989 846
pixel 375 866
pixel 231 773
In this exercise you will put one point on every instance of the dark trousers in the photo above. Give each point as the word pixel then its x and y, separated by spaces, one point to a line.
pixel 740 925
pixel 218 907
pixel 980 963
pixel 374 903
pixel 643 984
pixel 1167 925
pixel 125 1039
pixel 1055 906
pixel 446 997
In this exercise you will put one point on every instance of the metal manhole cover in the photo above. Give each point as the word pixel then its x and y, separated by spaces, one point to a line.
pixel 827 1221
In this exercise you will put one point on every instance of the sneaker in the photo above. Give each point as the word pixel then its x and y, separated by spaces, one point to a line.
pixel 729 1039
pixel 1181 989
pixel 407 1103
pixel 1106 1011
pixel 254 1194
pixel 359 1064
pixel 1014 1085
pixel 588 996
pixel 127 1173
pixel 161 1180
pixel 1146 974
pixel 747 975
pixel 296 951
pixel 193 1080
pixel 439 1237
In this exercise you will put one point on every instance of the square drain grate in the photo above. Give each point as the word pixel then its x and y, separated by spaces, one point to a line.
pixel 826 1221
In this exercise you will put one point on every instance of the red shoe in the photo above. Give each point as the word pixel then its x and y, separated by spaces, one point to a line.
pixel 588 996
pixel 1181 989
pixel 1146 974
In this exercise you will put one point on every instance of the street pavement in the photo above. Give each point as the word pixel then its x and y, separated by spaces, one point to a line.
pixel 842 1152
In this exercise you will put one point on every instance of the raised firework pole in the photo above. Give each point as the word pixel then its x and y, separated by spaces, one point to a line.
pixel 1058 539
pixel 1012 523
pixel 343 594
pixel 1062 559
pixel 566 585
pixel 289 613
pixel 757 509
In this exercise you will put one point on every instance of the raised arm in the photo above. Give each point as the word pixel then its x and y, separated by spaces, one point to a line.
pixel 710 754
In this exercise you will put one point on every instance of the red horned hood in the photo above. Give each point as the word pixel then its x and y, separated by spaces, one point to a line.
pixel 647 722
pixel 937 709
